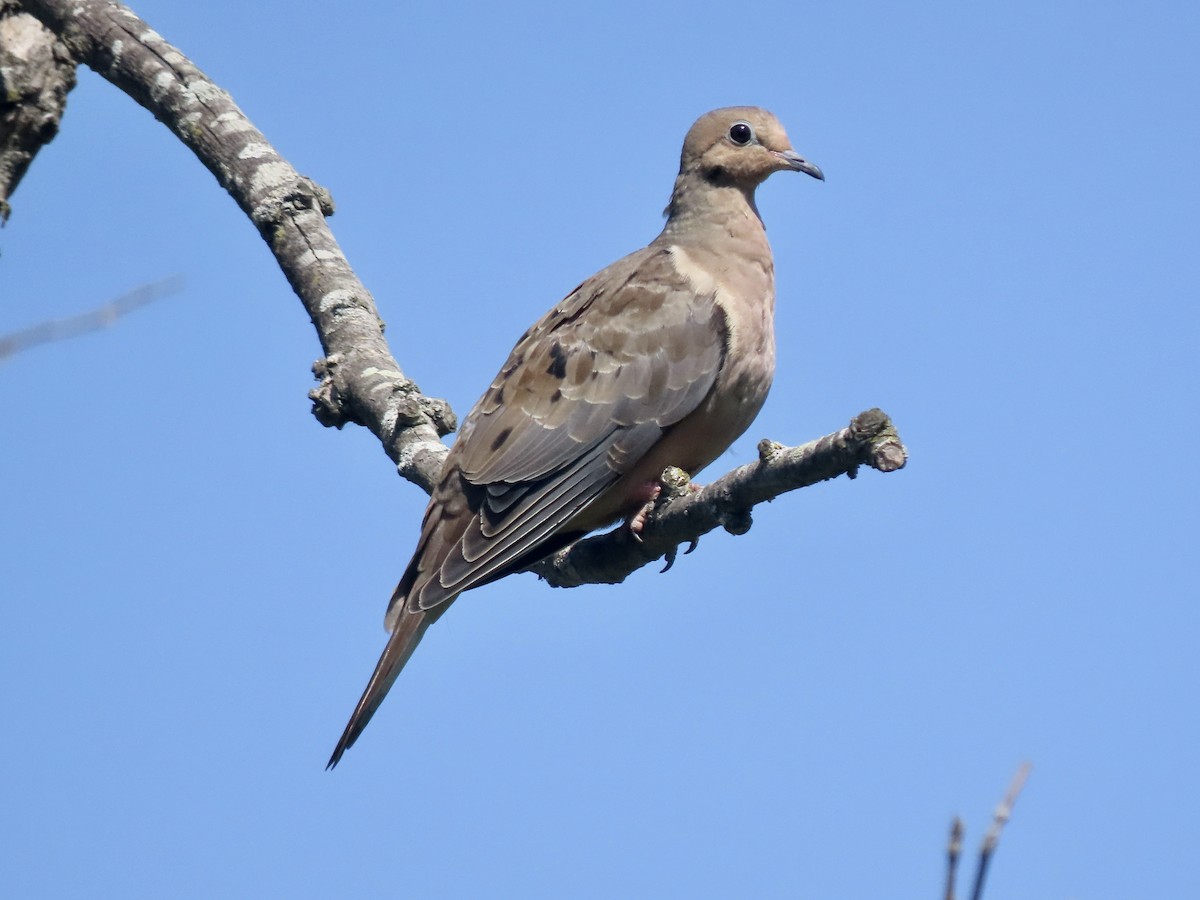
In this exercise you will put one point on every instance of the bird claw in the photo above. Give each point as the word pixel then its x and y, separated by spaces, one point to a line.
pixel 671 555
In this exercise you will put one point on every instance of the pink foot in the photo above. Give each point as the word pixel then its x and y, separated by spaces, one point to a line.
pixel 637 521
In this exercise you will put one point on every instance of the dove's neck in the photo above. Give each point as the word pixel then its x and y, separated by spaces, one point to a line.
pixel 699 209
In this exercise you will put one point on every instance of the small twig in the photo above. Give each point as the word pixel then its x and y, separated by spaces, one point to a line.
pixel 953 852
pixel 992 838
pixel 92 320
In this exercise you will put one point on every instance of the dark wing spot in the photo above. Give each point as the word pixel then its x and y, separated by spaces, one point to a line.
pixel 513 365
pixel 558 361
pixel 556 396
pixel 501 438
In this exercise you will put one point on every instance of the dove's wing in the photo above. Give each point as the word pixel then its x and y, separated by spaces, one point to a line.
pixel 583 396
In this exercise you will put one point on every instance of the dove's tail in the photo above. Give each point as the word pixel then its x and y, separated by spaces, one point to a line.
pixel 400 646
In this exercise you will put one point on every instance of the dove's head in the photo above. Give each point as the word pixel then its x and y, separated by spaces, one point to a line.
pixel 740 145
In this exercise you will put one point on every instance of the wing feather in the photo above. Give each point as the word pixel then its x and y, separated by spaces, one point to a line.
pixel 579 401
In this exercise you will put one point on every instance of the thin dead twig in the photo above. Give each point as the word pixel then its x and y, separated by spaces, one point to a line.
pixel 92 320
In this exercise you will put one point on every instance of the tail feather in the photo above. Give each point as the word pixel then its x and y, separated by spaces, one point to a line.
pixel 400 646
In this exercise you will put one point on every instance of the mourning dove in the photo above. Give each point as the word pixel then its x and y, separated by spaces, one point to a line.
pixel 662 359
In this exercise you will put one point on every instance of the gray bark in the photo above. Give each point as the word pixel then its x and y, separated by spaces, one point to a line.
pixel 36 74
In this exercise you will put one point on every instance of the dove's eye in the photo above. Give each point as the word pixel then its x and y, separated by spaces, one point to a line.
pixel 741 133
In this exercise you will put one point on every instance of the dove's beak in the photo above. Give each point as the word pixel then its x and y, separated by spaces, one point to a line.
pixel 797 163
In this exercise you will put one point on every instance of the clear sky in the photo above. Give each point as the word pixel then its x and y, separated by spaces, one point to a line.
pixel 1005 257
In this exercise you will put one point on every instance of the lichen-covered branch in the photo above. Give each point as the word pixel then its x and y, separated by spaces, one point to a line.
pixel 36 74
pixel 360 381
pixel 682 514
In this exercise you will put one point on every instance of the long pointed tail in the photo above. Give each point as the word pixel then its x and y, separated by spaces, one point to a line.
pixel 400 647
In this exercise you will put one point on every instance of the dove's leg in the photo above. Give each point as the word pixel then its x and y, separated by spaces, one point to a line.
pixel 636 521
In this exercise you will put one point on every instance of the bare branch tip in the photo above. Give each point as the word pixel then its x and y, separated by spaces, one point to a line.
pixel 440 414
pixel 737 521
pixel 675 483
pixel 325 408
pixel 321 195
pixel 768 450
pixel 881 446
pixel 953 853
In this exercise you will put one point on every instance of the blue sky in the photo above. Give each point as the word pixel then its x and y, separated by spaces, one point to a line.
pixel 1004 257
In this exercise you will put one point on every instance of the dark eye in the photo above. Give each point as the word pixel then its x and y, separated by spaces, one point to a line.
pixel 741 133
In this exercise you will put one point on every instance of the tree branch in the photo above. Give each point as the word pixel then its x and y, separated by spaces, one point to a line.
pixel 36 74
pixel 360 381
pixel 682 514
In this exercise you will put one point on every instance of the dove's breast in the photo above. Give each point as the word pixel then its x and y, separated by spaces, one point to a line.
pixel 744 290
pixel 743 283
